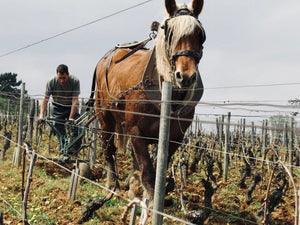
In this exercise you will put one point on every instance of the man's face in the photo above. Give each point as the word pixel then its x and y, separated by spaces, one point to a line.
pixel 63 77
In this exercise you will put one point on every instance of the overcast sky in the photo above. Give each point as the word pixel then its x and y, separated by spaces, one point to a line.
pixel 252 46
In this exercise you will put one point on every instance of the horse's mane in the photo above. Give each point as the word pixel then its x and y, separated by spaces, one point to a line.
pixel 179 27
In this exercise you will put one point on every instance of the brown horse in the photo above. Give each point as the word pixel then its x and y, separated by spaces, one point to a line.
pixel 128 87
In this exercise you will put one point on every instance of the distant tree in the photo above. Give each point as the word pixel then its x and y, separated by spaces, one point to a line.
pixel 10 90
pixel 279 120
pixel 9 86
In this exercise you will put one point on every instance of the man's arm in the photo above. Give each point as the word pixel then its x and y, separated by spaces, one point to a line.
pixel 75 103
pixel 44 106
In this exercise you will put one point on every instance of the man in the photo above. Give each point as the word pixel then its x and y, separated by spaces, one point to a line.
pixel 65 90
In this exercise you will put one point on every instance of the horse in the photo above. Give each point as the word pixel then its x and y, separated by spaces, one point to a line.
pixel 127 96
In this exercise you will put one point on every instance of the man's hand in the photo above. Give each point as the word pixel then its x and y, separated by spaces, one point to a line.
pixel 70 122
pixel 41 121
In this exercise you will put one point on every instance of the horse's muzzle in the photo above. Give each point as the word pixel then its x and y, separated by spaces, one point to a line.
pixel 184 80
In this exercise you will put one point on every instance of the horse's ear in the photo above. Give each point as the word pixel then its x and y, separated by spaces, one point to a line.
pixel 197 6
pixel 170 6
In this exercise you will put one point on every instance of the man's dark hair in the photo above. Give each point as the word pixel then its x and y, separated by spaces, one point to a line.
pixel 62 69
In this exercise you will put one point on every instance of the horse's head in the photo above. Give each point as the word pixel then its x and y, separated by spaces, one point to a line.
pixel 179 44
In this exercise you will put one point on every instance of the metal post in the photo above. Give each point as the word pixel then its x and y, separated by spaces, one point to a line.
pixel 162 155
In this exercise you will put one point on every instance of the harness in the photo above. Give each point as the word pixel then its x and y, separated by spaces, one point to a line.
pixel 150 82
pixel 135 46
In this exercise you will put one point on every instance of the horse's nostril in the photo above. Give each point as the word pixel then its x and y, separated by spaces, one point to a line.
pixel 179 76
pixel 193 78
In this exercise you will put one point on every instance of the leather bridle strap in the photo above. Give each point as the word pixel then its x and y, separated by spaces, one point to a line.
pixel 196 55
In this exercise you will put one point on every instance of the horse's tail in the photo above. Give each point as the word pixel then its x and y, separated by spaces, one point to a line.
pixel 91 100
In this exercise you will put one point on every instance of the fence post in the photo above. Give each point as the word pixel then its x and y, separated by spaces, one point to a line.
pixel 294 141
pixel 73 183
pixel 221 134
pixel 29 133
pixel 18 151
pixel 291 144
pixel 93 147
pixel 286 142
pixel 133 215
pixel 226 156
pixel 29 179
pixel 1 218
pixel 162 155
pixel 252 135
pixel 243 128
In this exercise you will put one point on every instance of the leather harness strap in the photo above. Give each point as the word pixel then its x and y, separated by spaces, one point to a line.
pixel 140 46
pixel 106 73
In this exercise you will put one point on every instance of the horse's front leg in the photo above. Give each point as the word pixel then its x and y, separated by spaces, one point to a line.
pixel 140 149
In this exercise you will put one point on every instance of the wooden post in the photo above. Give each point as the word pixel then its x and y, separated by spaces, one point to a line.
pixel 221 133
pixel 218 129
pixel 30 122
pixel 298 222
pixel 162 155
pixel 133 215
pixel 266 134
pixel 196 126
pixel 252 135
pixel 29 179
pixel 18 153
pixel 226 155
pixel 264 140
pixel 286 142
pixel 244 128
pixel 291 144
pixel 144 213
pixel 73 183
pixel 1 218
pixel 293 141
pixel 222 128
pixel 37 111
pixel 93 148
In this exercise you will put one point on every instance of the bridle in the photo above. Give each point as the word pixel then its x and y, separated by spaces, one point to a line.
pixel 197 55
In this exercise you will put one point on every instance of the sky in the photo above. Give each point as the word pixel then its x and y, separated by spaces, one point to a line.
pixel 251 54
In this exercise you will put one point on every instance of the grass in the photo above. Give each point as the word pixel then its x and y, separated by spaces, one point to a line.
pixel 48 203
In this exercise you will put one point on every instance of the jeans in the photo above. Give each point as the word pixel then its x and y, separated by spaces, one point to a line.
pixel 63 113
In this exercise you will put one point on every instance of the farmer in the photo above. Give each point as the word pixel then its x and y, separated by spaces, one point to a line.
pixel 65 90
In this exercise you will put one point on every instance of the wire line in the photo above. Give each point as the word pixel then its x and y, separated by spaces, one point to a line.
pixel 73 29
pixel 253 85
